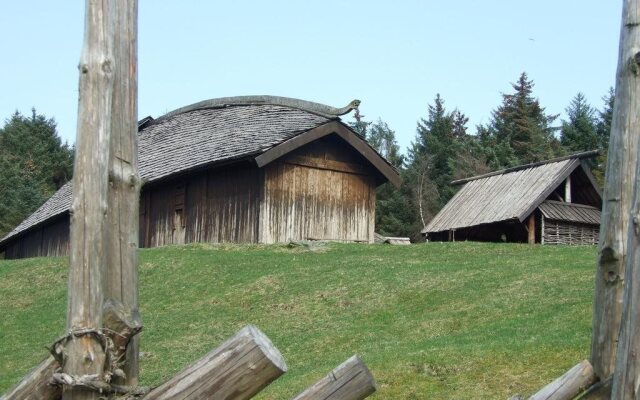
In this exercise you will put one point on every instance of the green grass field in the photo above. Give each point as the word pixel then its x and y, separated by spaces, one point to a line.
pixel 432 321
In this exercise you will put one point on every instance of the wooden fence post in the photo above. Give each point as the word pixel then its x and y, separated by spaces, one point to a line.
pixel 124 182
pixel 237 369
pixel 351 380
pixel 618 194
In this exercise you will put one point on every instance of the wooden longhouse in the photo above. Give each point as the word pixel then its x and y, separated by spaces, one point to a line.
pixel 551 202
pixel 256 169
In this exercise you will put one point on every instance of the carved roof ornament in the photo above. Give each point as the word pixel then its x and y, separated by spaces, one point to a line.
pixel 309 106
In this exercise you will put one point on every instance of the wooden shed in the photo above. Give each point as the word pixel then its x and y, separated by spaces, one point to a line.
pixel 253 169
pixel 550 202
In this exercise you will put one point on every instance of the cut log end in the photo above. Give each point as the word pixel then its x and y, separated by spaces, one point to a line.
pixel 569 385
pixel 266 346
pixel 351 380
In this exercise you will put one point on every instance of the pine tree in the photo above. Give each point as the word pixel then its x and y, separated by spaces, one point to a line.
pixel 579 132
pixel 520 131
pixel 34 163
pixel 603 131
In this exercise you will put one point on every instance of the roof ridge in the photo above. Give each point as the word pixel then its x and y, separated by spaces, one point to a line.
pixel 584 154
pixel 304 105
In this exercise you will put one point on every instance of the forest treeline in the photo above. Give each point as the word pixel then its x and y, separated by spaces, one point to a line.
pixel 34 162
pixel 520 131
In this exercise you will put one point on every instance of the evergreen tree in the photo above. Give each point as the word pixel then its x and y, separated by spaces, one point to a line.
pixel 579 132
pixel 33 165
pixel 392 218
pixel 603 131
pixel 441 151
pixel 520 131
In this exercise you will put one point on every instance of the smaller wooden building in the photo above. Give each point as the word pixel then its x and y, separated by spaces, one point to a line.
pixel 253 169
pixel 550 202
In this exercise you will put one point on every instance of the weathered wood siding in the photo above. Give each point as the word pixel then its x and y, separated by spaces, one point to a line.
pixel 49 240
pixel 567 233
pixel 215 206
pixel 322 191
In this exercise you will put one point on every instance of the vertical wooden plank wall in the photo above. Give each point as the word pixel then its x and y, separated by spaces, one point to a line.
pixel 216 206
pixel 322 191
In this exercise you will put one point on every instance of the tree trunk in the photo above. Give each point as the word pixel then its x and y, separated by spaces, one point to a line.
pixel 349 381
pixel 85 354
pixel 238 369
pixel 123 201
pixel 618 195
pixel 572 383
pixel 36 385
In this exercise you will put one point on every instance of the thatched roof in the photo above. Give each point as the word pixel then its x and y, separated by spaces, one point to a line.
pixel 211 133
pixel 511 194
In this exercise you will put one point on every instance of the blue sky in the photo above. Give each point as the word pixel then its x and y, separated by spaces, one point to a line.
pixel 393 56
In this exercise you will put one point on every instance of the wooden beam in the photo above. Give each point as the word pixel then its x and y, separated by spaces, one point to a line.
pixel 622 163
pixel 124 191
pixel 85 354
pixel 333 127
pixel 572 383
pixel 567 189
pixel 36 384
pixel 238 369
pixel 351 380
pixel 531 229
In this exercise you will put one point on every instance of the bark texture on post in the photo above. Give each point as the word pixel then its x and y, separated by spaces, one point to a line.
pixel 238 369
pixel 36 385
pixel 85 354
pixel 572 383
pixel 626 379
pixel 124 181
pixel 351 380
pixel 618 195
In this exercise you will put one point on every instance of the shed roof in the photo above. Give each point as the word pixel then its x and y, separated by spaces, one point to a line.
pixel 218 131
pixel 510 194
pixel 561 211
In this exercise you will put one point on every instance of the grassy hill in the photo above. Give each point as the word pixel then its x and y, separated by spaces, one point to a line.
pixel 443 321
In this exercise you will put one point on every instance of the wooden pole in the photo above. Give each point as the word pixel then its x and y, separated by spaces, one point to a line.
pixel 531 229
pixel 124 181
pixel 568 386
pixel 85 352
pixel 238 369
pixel 351 380
pixel 567 189
pixel 618 192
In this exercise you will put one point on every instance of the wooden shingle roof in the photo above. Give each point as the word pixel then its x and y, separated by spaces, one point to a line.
pixel 511 194
pixel 211 133
pixel 571 212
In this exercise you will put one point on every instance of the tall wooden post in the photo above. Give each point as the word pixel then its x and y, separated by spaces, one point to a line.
pixel 618 192
pixel 84 350
pixel 123 197
pixel 626 379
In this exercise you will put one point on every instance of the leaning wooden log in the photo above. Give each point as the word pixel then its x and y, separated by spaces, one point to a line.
pixel 351 380
pixel 238 369
pixel 569 385
pixel 617 198
pixel 37 384
pixel 598 391
pixel 85 353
